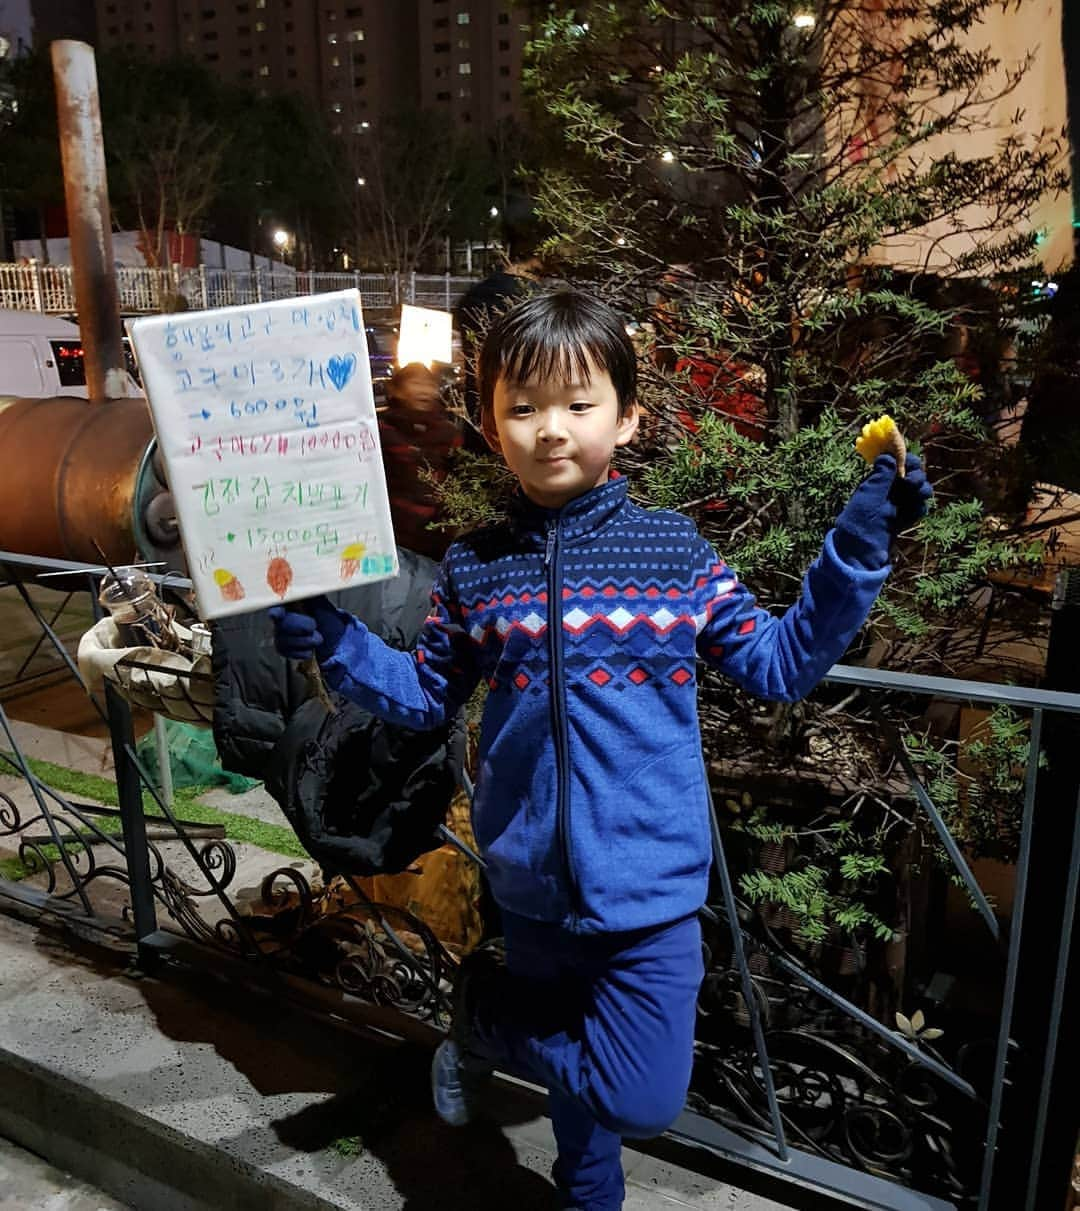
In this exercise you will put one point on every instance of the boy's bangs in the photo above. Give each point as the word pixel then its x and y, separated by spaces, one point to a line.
pixel 551 357
pixel 561 337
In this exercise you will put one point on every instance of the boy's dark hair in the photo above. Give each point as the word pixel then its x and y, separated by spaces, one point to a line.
pixel 557 333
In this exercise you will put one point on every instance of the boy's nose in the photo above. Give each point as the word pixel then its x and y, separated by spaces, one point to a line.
pixel 552 429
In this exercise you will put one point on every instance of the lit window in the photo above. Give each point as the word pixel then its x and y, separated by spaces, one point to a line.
pixel 260 3
pixel 464 69
pixel 464 92
pixel 335 62
pixel 336 107
pixel 356 35
pixel 463 43
pixel 463 18
pixel 260 27
pixel 264 69
pixel 332 39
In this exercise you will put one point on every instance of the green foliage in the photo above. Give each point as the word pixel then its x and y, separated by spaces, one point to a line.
pixel 978 784
pixel 734 184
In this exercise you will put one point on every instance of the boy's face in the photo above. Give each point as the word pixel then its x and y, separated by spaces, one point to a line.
pixel 556 437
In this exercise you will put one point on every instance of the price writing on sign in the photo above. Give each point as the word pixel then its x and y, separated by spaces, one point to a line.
pixel 266 421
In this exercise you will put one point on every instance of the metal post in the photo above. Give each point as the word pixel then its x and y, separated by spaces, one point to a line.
pixel 446 279
pixel 412 286
pixel 89 218
pixel 35 285
pixel 161 743
pixel 202 286
pixel 752 1010
pixel 1001 1059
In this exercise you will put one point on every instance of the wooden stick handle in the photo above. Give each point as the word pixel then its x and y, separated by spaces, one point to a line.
pixel 310 669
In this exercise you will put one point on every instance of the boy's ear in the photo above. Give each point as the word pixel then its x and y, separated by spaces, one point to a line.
pixel 628 425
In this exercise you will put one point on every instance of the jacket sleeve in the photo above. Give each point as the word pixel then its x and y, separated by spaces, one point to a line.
pixel 420 689
pixel 781 657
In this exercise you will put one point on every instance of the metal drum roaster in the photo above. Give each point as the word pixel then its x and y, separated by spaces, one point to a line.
pixel 76 473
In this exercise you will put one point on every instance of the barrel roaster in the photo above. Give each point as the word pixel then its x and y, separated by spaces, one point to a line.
pixel 76 474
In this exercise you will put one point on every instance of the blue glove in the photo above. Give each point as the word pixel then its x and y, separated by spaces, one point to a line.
pixel 879 508
pixel 311 628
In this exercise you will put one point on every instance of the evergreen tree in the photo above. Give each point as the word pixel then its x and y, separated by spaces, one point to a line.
pixel 789 198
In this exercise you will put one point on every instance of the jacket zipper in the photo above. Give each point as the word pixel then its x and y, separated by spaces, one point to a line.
pixel 553 563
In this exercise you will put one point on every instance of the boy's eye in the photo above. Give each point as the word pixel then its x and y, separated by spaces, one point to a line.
pixel 520 409
pixel 580 405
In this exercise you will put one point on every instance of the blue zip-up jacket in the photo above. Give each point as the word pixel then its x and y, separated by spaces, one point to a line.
pixel 591 806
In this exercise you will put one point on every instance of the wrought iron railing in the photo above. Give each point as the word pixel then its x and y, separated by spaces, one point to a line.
pixel 51 288
pixel 791 1076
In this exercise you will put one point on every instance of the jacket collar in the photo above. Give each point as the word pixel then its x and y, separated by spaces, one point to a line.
pixel 582 516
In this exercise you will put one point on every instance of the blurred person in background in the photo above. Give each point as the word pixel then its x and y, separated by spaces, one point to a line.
pixel 417 436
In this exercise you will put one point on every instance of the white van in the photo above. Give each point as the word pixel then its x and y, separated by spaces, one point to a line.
pixel 41 355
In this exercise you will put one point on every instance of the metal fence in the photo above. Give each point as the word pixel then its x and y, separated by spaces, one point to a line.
pixel 792 1076
pixel 51 288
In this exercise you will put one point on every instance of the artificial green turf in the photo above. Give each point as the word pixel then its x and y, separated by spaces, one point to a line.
pixel 75 785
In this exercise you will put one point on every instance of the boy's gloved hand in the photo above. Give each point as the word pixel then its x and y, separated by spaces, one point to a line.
pixel 880 507
pixel 311 628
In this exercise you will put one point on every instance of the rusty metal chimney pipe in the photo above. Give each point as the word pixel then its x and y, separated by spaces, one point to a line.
pixel 86 193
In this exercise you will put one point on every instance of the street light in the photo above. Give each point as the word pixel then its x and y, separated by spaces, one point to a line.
pixel 361 181
pixel 281 237
pixel 494 212
pixel 804 20
pixel 668 157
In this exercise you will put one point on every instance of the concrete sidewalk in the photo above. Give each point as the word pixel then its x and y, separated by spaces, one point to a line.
pixel 179 1094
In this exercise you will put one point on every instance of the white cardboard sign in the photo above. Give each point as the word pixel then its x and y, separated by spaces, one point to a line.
pixel 266 421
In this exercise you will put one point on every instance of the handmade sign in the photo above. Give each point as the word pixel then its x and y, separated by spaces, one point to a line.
pixel 266 421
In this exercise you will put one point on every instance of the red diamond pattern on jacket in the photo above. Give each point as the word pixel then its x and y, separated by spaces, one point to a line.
pixel 746 627
pixel 681 676
pixel 637 676
pixel 521 680
pixel 600 677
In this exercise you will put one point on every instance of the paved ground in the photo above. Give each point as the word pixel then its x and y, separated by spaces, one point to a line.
pixel 26 1181
pixel 178 1095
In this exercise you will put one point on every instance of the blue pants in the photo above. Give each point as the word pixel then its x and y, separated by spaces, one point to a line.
pixel 606 1023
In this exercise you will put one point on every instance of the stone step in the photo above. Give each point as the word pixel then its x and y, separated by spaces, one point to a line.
pixel 178 1093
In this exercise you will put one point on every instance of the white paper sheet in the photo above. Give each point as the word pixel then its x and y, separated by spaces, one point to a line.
pixel 266 421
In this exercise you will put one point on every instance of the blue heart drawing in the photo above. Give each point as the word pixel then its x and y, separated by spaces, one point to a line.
pixel 340 369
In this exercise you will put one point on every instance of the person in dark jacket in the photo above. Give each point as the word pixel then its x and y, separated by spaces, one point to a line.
pixel 417 436
pixel 586 615
pixel 477 310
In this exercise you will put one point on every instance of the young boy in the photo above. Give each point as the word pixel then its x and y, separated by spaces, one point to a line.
pixel 585 615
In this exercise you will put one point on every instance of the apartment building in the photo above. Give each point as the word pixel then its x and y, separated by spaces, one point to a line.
pixel 356 61
pixel 470 59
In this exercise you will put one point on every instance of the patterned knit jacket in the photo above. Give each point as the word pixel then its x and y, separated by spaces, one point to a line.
pixel 591 806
